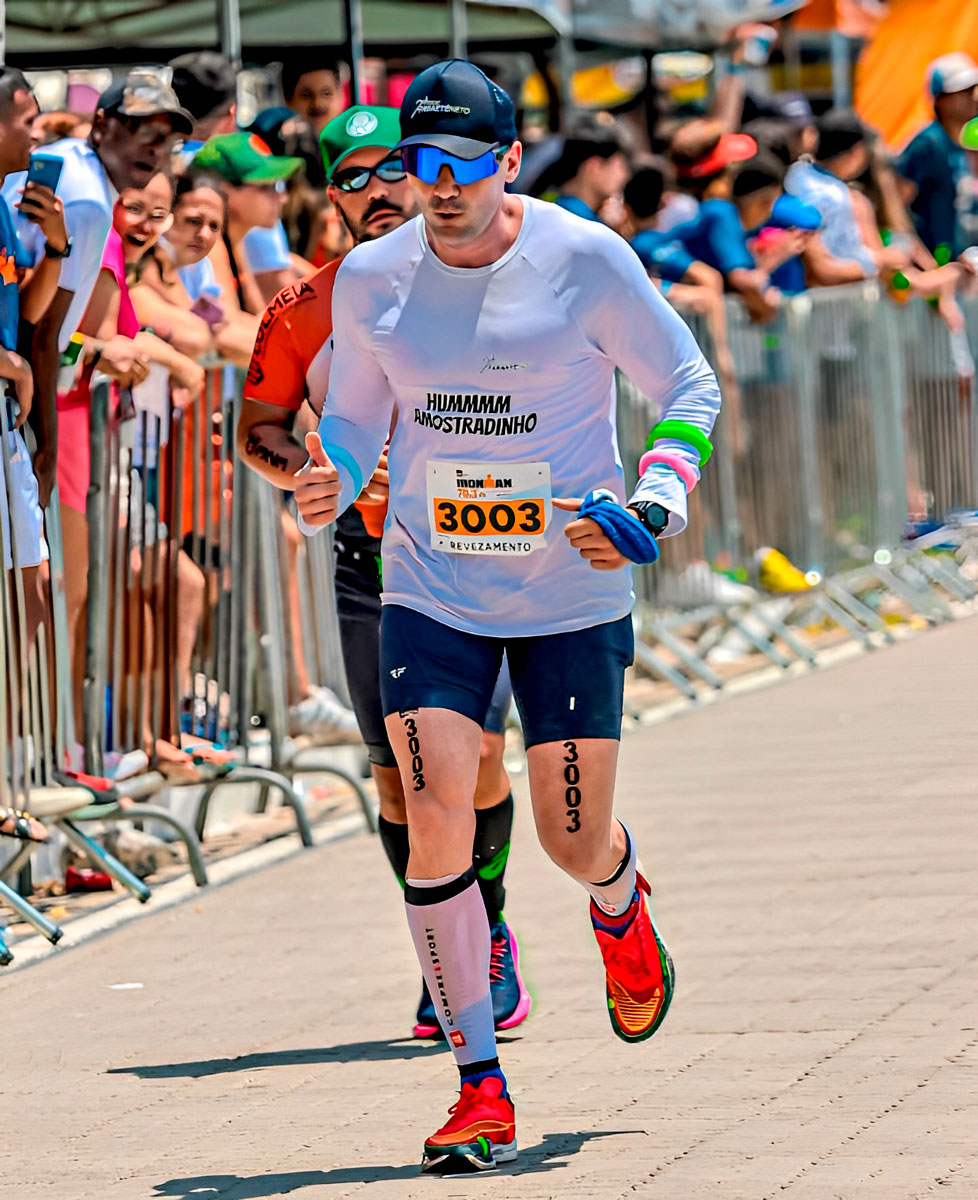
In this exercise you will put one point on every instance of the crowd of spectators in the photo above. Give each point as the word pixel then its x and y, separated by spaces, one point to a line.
pixel 170 229
pixel 763 199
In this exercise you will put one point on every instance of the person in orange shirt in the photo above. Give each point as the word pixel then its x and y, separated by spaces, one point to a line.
pixel 291 360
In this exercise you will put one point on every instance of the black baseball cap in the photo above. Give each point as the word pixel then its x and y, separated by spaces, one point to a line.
pixel 454 107
pixel 204 81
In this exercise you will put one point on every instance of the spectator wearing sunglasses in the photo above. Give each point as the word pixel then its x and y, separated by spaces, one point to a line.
pixel 369 187
pixel 292 353
pixel 254 183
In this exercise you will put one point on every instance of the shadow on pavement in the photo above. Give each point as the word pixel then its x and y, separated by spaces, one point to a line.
pixel 533 1160
pixel 237 1187
pixel 349 1052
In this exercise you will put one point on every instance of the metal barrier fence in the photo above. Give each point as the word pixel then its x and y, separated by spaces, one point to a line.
pixel 842 416
pixel 187 638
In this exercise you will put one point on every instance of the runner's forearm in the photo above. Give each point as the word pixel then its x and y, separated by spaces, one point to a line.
pixel 357 412
pixel 272 451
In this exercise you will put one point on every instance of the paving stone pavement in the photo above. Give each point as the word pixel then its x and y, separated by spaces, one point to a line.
pixel 813 848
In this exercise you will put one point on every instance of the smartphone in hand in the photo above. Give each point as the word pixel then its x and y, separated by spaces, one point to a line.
pixel 45 169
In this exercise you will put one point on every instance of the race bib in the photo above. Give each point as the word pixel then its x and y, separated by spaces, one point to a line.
pixel 488 508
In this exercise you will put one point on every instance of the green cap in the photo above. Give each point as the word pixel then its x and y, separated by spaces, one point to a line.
pixel 361 125
pixel 243 158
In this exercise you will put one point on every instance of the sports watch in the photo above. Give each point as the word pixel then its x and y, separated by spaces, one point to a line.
pixel 653 516
pixel 50 252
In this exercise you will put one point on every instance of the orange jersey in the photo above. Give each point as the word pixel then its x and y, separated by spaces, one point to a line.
pixel 292 355
pixel 294 343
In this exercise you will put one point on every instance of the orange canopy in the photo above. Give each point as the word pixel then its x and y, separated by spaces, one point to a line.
pixel 890 78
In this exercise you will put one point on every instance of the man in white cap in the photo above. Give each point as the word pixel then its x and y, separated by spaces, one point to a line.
pixel 945 207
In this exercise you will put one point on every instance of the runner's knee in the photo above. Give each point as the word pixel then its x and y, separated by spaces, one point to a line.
pixel 578 855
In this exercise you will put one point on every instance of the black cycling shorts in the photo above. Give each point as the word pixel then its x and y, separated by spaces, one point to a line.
pixel 359 611
pixel 567 685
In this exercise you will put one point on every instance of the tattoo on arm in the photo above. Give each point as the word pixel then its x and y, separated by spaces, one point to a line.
pixel 572 793
pixel 255 449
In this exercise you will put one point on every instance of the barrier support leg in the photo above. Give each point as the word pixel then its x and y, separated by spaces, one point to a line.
pixel 300 767
pixel 781 630
pixel 106 861
pixel 262 775
pixel 6 958
pixel 19 860
pixel 31 915
pixel 684 654
pixel 852 614
pixel 758 641
pixel 149 812
pixel 910 573
pixel 369 816
pixel 945 576
pixel 652 663
pixel 923 603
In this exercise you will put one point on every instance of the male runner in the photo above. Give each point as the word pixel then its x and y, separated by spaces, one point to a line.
pixel 291 357
pixel 489 330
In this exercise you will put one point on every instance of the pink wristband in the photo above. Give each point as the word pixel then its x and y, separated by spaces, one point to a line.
pixel 672 460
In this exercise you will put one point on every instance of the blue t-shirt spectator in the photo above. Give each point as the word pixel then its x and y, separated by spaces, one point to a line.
pixel 577 206
pixel 663 254
pixel 715 236
pixel 945 208
pixel 12 256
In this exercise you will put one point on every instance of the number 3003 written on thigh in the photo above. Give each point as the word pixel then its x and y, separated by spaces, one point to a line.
pixel 414 749
pixel 572 793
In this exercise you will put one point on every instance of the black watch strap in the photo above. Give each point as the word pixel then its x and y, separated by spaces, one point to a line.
pixel 50 252
pixel 653 516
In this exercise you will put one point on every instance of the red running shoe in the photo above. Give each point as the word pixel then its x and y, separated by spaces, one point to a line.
pixel 479 1134
pixel 639 975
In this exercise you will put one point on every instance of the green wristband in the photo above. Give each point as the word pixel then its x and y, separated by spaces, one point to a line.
pixel 682 431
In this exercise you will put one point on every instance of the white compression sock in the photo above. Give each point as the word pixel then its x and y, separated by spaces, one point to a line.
pixel 447 919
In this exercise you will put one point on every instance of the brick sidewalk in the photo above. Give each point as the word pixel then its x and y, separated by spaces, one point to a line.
pixel 813 848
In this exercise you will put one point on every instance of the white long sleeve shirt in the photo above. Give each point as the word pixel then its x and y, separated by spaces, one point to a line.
pixel 500 384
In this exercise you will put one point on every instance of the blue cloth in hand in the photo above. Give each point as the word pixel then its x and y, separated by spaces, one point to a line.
pixel 625 532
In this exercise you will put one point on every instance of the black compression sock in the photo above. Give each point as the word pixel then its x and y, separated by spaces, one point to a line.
pixel 394 839
pixel 493 829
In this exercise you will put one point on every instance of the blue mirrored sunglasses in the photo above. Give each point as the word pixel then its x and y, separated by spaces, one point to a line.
pixel 425 163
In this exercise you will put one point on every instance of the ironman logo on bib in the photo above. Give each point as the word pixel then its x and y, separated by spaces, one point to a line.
pixel 488 508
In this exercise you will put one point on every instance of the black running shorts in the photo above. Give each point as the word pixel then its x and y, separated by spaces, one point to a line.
pixel 567 685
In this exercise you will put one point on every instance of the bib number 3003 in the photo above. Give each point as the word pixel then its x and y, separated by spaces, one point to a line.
pixel 488 508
